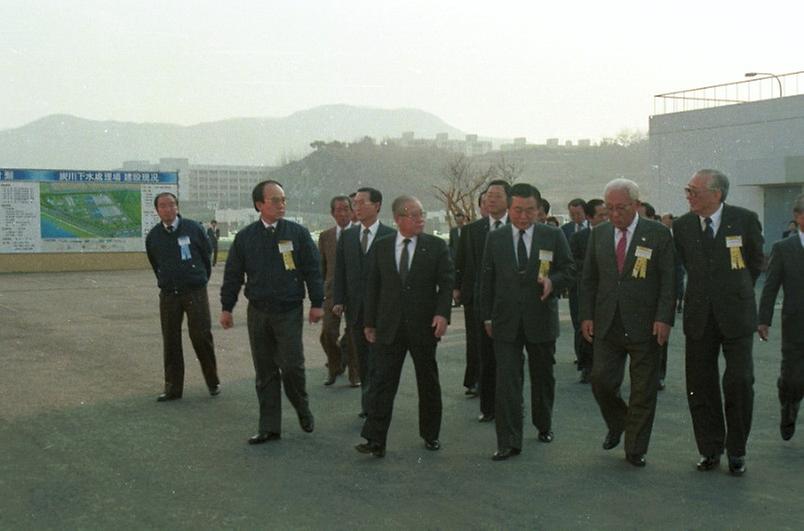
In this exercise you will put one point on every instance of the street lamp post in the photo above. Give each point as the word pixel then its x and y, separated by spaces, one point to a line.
pixel 774 76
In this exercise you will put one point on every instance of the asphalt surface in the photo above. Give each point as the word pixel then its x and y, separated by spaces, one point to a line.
pixel 85 445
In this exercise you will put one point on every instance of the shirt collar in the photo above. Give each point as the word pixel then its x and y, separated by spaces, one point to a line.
pixel 400 239
pixel 715 217
pixel 801 236
pixel 503 220
pixel 372 228
pixel 175 224
pixel 266 224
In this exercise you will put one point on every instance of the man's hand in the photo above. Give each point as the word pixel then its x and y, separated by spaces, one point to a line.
pixel 315 315
pixel 661 331
pixel 337 309
pixel 487 326
pixel 226 320
pixel 763 330
pixel 547 287
pixel 456 296
pixel 440 325
pixel 588 330
pixel 371 334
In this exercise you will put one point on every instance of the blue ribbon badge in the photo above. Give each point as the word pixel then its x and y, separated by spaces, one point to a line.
pixel 184 246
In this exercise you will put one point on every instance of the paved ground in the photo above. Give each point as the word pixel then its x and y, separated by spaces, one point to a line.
pixel 84 444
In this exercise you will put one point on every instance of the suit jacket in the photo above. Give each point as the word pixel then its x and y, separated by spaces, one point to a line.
pixel 578 243
pixel 641 301
pixel 785 270
pixel 351 269
pixel 469 258
pixel 391 305
pixel 510 299
pixel 569 229
pixel 712 283
pixel 327 247
pixel 454 239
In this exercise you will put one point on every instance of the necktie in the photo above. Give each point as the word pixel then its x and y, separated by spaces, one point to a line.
pixel 497 224
pixel 364 241
pixel 709 232
pixel 620 251
pixel 269 231
pixel 577 227
pixel 522 252
pixel 169 228
pixel 403 260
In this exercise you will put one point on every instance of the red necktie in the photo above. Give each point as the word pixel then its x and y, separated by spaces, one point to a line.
pixel 620 251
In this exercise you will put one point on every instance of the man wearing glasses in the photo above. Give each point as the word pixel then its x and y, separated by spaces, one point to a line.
pixel 720 246
pixel 277 258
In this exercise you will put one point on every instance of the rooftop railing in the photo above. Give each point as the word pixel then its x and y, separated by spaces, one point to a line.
pixel 758 87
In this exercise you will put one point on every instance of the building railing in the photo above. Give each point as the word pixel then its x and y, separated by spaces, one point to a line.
pixel 757 87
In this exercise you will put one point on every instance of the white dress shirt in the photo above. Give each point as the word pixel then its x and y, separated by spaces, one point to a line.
pixel 629 234
pixel 400 244
pixel 715 220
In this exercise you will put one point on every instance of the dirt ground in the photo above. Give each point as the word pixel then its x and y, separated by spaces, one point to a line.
pixel 84 444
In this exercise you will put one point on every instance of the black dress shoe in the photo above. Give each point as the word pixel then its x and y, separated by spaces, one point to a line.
pixel 264 437
pixel 330 380
pixel 215 391
pixel 708 462
pixel 354 384
pixel 586 376
pixel 485 417
pixel 363 415
pixel 787 427
pixel 737 465
pixel 375 449
pixel 307 422
pixel 164 397
pixel 432 445
pixel 471 392
pixel 661 384
pixel 504 453
pixel 546 436
pixel 612 440
pixel 636 459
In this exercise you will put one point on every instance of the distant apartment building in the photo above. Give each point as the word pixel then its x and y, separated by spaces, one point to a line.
pixel 213 186
pixel 470 146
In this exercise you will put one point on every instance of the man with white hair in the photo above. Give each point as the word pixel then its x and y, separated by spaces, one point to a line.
pixel 627 297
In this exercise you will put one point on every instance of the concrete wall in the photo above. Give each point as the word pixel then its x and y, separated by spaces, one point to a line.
pixel 758 145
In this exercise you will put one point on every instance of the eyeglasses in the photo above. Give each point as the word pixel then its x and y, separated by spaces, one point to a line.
pixel 415 215
pixel 620 208
pixel 695 192
pixel 277 200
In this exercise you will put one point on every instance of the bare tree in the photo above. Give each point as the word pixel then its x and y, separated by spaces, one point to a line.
pixel 462 184
pixel 507 169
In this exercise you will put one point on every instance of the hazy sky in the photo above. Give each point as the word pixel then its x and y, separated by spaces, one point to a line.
pixel 499 68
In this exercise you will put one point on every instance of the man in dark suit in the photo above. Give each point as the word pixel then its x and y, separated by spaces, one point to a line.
pixel 627 300
pixel 786 270
pixel 467 288
pixel 340 208
pixel 524 265
pixel 455 233
pixel 721 248
pixel 578 222
pixel 351 269
pixel 407 307
pixel 596 213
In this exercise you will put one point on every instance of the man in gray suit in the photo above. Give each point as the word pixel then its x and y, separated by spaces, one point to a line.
pixel 627 298
pixel 786 270
pixel 525 264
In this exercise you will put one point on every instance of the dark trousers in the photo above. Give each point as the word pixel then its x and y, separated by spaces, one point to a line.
pixel 337 354
pixel 574 304
pixel 663 359
pixel 385 383
pixel 703 390
pixel 608 370
pixel 585 353
pixel 488 369
pixel 364 352
pixel 791 379
pixel 509 410
pixel 278 355
pixel 215 254
pixel 471 375
pixel 172 307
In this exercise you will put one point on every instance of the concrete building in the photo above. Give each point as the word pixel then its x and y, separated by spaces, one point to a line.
pixel 758 143
pixel 211 185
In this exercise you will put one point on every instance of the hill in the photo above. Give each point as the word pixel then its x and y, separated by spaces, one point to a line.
pixel 64 141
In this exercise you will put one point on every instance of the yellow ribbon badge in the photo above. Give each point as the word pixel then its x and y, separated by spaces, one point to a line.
pixel 545 257
pixel 735 245
pixel 286 248
pixel 643 254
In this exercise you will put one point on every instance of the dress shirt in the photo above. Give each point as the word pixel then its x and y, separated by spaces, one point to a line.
pixel 398 248
pixel 618 234
pixel 503 220
pixel 801 237
pixel 528 237
pixel 372 233
pixel 266 224
pixel 715 220
pixel 175 225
